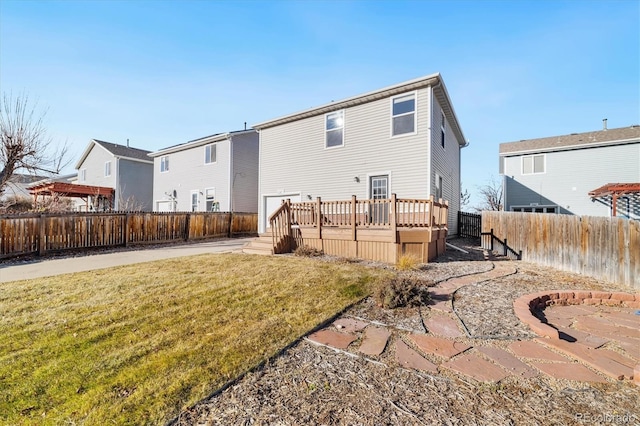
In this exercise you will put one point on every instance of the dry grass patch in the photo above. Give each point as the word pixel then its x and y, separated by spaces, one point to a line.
pixel 136 344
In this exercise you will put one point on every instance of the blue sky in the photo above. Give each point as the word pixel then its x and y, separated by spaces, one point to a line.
pixel 164 72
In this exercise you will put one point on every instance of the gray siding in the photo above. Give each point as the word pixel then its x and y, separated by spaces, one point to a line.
pixel 188 172
pixel 293 157
pixel 245 172
pixel 94 164
pixel 446 163
pixel 135 182
pixel 569 176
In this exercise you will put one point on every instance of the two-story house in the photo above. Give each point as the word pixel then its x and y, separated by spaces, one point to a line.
pixel 213 173
pixel 129 171
pixel 557 174
pixel 403 139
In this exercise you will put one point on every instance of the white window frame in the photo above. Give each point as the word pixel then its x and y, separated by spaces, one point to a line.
pixel 443 129
pixel 213 148
pixel 164 164
pixel 533 170
pixel 415 114
pixel 197 194
pixel 532 209
pixel 83 175
pixel 215 205
pixel 107 168
pixel 326 130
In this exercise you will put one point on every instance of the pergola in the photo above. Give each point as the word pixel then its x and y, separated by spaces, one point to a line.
pixel 615 190
pixel 71 190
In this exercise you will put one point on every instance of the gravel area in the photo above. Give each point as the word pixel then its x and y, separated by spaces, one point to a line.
pixel 310 384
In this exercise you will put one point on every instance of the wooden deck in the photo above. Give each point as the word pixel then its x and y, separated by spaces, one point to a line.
pixel 381 230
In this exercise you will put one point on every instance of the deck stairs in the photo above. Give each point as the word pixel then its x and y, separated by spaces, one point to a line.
pixel 262 245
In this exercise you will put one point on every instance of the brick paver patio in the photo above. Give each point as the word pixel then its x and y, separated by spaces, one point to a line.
pixel 578 355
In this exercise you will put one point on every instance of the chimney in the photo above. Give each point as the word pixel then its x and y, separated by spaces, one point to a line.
pixel 127 142
pixel 604 124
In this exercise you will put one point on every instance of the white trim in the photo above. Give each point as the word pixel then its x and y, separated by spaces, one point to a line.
pixel 370 175
pixel 197 192
pixel 161 162
pixel 415 114
pixel 262 224
pixel 326 131
pixel 533 168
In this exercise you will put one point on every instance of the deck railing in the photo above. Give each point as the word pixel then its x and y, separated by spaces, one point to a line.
pixel 380 213
pixel 280 223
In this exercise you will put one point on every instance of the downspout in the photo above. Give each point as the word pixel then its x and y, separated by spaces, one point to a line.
pixel 261 209
pixel 230 206
pixel 429 139
pixel 116 194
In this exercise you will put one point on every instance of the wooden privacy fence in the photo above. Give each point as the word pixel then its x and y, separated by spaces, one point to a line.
pixel 40 233
pixel 600 247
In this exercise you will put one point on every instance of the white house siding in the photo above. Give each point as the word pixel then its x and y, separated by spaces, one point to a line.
pixel 446 163
pixel 293 157
pixel 188 172
pixel 135 185
pixel 94 164
pixel 245 173
pixel 569 176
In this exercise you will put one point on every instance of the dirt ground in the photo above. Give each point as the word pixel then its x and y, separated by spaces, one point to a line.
pixel 310 384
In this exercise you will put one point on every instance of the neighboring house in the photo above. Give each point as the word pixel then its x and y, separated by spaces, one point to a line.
pixel 213 173
pixel 129 171
pixel 18 184
pixel 403 139
pixel 557 174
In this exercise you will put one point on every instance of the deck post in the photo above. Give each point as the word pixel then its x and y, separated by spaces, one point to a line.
pixel 431 211
pixel 393 219
pixel 319 216
pixel 354 217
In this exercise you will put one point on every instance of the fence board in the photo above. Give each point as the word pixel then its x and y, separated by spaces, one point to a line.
pixel 32 234
pixel 600 247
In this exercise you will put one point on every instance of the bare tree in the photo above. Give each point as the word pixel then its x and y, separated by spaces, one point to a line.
pixel 24 144
pixel 464 198
pixel 491 196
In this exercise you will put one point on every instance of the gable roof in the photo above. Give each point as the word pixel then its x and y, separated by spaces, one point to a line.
pixel 573 141
pixel 119 151
pixel 434 80
pixel 216 137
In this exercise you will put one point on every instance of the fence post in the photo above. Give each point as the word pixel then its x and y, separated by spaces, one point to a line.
pixel 491 239
pixel 125 230
pixel 42 247
pixel 354 217
pixel 504 247
pixel 187 226
pixel 319 217
pixel 520 255
pixel 393 221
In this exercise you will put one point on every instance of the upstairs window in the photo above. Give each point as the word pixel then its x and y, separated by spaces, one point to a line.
pixel 83 175
pixel 164 164
pixel 443 126
pixel 107 169
pixel 210 154
pixel 403 114
pixel 533 164
pixel 334 129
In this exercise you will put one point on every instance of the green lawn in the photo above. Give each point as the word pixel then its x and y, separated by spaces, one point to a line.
pixel 136 344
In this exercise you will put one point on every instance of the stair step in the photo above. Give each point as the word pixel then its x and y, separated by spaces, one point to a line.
pixel 261 244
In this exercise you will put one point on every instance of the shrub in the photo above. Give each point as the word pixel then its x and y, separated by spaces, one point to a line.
pixel 402 292
pixel 407 262
pixel 306 251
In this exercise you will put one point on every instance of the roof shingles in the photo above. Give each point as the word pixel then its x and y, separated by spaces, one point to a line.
pixel 124 151
pixel 573 140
